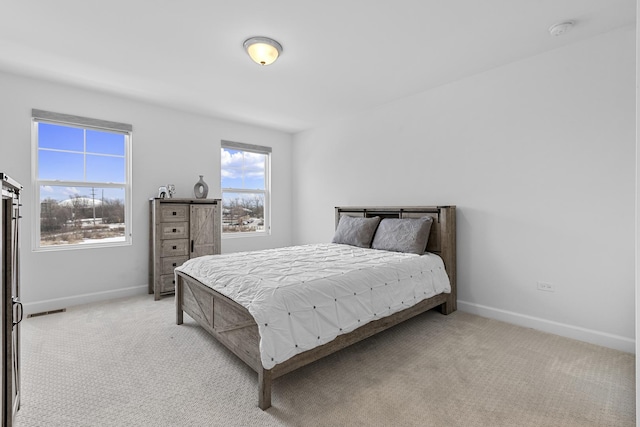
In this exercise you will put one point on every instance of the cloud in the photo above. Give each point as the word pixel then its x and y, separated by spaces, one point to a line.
pixel 236 164
pixel 47 189
pixel 71 191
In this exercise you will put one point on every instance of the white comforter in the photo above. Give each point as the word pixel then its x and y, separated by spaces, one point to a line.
pixel 305 296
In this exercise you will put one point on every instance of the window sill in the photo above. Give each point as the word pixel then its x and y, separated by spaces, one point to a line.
pixel 56 248
pixel 240 235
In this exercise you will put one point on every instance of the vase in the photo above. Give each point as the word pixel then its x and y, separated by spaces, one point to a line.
pixel 201 189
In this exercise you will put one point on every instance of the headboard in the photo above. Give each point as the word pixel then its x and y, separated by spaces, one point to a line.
pixel 442 238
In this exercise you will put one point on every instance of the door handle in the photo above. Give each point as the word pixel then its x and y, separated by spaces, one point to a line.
pixel 192 246
pixel 15 301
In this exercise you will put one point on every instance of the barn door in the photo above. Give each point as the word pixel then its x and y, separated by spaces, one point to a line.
pixel 202 229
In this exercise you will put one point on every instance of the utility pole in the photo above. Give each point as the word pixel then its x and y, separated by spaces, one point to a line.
pixel 93 202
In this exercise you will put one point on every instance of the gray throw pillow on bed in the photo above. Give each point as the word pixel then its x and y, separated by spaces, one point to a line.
pixel 408 235
pixel 356 231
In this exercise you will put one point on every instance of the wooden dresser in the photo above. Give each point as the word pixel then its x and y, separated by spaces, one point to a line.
pixel 11 307
pixel 180 229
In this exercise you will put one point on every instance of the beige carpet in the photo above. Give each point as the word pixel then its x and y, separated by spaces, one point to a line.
pixel 126 363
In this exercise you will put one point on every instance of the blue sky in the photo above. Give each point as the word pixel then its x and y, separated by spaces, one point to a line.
pixel 65 154
pixel 241 169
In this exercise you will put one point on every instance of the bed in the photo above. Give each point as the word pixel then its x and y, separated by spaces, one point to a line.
pixel 276 316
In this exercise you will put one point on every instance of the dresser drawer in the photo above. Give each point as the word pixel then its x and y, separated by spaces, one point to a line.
pixel 168 264
pixel 167 283
pixel 174 247
pixel 174 213
pixel 174 230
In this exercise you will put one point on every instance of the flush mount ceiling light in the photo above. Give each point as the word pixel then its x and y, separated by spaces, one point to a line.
pixel 263 50
pixel 561 28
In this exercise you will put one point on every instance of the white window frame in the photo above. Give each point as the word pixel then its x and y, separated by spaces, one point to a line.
pixel 239 146
pixel 41 116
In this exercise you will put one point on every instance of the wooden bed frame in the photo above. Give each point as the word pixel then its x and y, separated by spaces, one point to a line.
pixel 235 328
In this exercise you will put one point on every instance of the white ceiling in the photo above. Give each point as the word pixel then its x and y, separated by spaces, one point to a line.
pixel 340 56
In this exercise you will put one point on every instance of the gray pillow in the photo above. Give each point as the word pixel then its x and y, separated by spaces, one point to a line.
pixel 356 231
pixel 408 235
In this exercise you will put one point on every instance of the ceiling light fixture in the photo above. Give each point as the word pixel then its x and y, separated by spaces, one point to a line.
pixel 263 50
pixel 561 28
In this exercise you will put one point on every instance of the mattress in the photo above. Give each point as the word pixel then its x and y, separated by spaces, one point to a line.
pixel 304 296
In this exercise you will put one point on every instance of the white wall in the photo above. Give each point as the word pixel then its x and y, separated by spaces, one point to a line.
pixel 168 147
pixel 538 155
pixel 637 242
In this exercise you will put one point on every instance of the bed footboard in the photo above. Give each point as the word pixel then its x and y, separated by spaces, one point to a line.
pixel 226 320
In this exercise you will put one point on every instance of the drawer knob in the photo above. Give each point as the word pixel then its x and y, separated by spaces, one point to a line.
pixel 175 247
pixel 174 213
pixel 174 230
pixel 175 264
pixel 173 281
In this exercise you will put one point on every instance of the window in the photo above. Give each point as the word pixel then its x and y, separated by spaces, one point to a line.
pixel 245 189
pixel 82 181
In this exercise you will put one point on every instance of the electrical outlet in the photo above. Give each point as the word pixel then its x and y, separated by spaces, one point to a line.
pixel 544 286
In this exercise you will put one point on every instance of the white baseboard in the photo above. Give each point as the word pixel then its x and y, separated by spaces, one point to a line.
pixel 604 339
pixel 59 303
